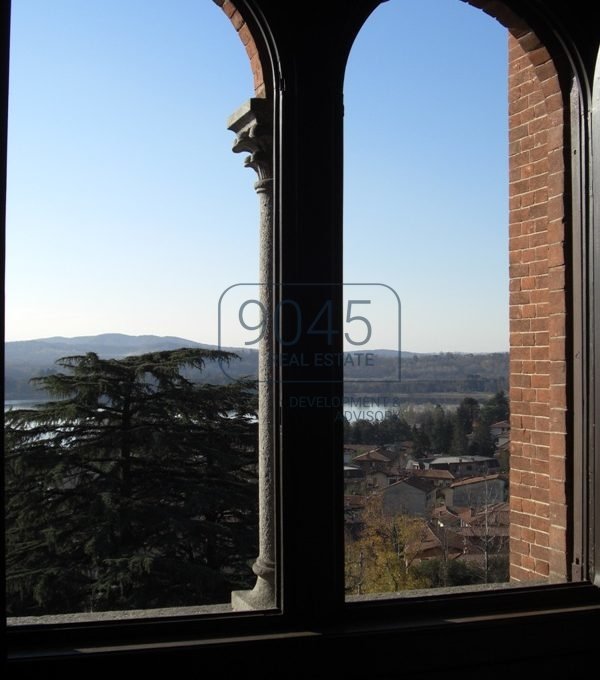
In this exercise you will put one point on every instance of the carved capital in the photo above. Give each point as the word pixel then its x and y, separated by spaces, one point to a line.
pixel 252 124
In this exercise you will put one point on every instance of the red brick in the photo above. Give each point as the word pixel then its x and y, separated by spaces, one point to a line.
pixel 556 278
pixel 543 395
pixel 529 42
pixel 539 552
pixel 556 301
pixel 252 51
pixel 558 444
pixel 558 396
pixel 557 325
pixel 520 547
pixel 518 270
pixel 237 20
pixel 518 574
pixel 557 469
pixel 538 56
pixel 540 467
pixel 541 525
pixel 559 513
pixel 545 71
pixel 527 562
pixel 245 35
pixel 228 8
pixel 558 564
pixel 527 535
pixel 520 518
pixel 554 137
pixel 538 494
pixel 519 132
pixel 529 453
pixel 557 538
pixel 522 492
pixel 541 438
pixel 558 373
pixel 557 492
pixel 540 380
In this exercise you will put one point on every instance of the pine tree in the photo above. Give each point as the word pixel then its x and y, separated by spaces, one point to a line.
pixel 441 432
pixel 134 488
pixel 468 412
pixel 459 443
pixel 482 443
pixel 496 408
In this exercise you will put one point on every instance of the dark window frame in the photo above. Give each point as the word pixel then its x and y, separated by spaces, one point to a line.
pixel 303 59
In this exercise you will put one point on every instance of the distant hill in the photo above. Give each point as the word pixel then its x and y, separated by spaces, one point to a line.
pixel 24 359
pixel 423 376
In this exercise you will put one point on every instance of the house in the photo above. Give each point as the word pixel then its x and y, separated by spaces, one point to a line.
pixel 438 541
pixel 353 450
pixel 476 492
pixel 377 479
pixel 412 496
pixel 374 459
pixel 439 477
pixel 354 479
pixel 463 466
pixel 354 505
pixel 500 429
pixel 413 464
pixel 486 535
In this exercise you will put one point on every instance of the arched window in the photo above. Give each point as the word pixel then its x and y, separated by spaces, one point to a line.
pixel 463 214
pixel 122 239
pixel 552 627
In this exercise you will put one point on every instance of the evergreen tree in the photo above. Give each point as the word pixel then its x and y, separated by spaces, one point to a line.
pixel 482 443
pixel 459 443
pixel 421 443
pixel 134 488
pixel 392 429
pixel 441 433
pixel 496 408
pixel 468 412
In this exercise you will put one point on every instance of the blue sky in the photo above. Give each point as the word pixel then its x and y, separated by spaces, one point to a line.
pixel 120 215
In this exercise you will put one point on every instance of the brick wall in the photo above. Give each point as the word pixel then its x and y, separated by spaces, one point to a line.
pixel 538 392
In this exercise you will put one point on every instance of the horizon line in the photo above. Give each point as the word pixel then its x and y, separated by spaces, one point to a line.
pixel 213 344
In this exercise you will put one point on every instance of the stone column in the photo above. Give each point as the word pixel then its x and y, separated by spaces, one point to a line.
pixel 252 125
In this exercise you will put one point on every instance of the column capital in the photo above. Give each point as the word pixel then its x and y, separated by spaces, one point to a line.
pixel 252 124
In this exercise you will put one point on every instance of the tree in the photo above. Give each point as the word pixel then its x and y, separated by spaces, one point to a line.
pixel 392 429
pixel 380 558
pixel 421 442
pixel 459 443
pixel 468 412
pixel 441 433
pixel 496 408
pixel 442 573
pixel 482 442
pixel 134 488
